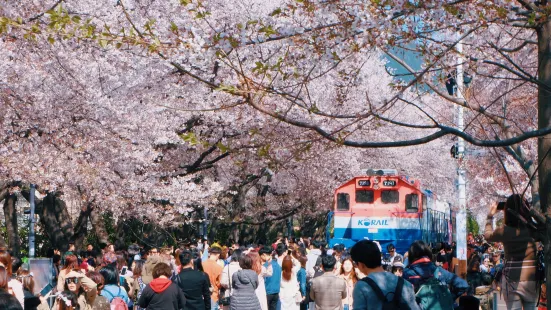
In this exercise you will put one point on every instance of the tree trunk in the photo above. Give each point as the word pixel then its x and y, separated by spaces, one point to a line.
pixel 63 218
pixel 11 224
pixel 51 226
pixel 81 227
pixel 544 143
pixel 99 226
pixel 4 192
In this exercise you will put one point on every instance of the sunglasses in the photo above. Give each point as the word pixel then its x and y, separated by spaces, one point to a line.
pixel 72 280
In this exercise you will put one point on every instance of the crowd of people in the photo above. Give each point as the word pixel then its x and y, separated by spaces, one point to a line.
pixel 290 274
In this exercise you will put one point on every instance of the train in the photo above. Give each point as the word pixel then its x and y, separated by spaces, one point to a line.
pixel 389 208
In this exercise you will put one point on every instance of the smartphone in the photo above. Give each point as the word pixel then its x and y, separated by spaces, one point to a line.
pixel 123 270
pixel 501 205
pixel 46 290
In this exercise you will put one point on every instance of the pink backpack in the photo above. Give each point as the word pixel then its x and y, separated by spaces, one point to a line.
pixel 118 304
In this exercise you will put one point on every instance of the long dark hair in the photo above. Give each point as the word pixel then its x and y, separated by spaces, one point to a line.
pixel 417 250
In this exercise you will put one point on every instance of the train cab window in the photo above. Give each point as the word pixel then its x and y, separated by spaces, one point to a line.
pixel 343 202
pixel 365 196
pixel 390 196
pixel 412 203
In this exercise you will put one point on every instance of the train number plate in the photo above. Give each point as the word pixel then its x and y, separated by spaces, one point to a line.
pixel 364 183
pixel 389 183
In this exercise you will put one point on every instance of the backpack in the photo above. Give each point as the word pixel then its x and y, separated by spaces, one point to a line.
pixel 393 304
pixel 434 295
pixel 117 303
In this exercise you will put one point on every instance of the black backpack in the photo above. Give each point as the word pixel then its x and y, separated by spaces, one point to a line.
pixel 387 304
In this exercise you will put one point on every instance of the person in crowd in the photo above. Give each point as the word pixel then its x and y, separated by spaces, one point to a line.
pixel 301 278
pixel 161 293
pixel 7 300
pixel 262 272
pixel 281 252
pixel 347 273
pixel 272 282
pixel 485 267
pixel 226 277
pixel 244 284
pixel 100 302
pixel 214 271
pixel 497 264
pixel 90 252
pixel 392 255
pixel 367 256
pixel 474 276
pixel 67 300
pixel 112 287
pixel 84 289
pixel 289 293
pixel 71 263
pixel 421 268
pixel 14 287
pixel 328 291
pixel 312 257
pixel 397 269
pixel 194 284
pixel 32 302
pixel 137 282
pixel 519 286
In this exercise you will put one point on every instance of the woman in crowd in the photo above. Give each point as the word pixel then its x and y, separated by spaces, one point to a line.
pixel 7 300
pixel 227 274
pixel 485 267
pixel 289 294
pixel 518 284
pixel 348 274
pixel 71 263
pixel 262 272
pixel 14 287
pixel 112 288
pixel 161 293
pixel 82 287
pixel 100 302
pixel 302 283
pixel 137 285
pixel 244 284
pixel 421 268
pixel 67 300
pixel 32 302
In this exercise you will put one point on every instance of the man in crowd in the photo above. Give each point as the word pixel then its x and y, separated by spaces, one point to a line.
pixel 312 259
pixel 272 283
pixel 367 256
pixel 194 284
pixel 328 290
pixel 214 271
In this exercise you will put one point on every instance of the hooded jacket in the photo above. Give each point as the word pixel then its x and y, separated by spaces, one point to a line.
pixel 162 294
pixel 244 284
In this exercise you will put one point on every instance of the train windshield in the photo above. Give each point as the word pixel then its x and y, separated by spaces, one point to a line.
pixel 363 196
pixel 390 196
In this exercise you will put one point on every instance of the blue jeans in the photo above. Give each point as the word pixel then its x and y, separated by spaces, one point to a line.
pixel 213 305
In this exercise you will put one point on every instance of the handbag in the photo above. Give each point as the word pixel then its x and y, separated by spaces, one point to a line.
pixel 225 301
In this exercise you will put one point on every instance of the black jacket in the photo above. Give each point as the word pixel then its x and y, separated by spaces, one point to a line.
pixel 166 296
pixel 196 287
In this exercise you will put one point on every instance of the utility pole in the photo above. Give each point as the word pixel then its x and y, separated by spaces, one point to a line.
pixel 461 219
pixel 31 228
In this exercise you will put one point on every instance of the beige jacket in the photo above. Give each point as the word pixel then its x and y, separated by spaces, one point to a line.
pixel 328 291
